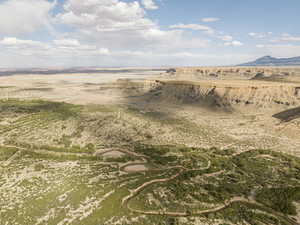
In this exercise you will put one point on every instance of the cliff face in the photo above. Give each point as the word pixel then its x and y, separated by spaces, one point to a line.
pixel 242 94
pixel 212 72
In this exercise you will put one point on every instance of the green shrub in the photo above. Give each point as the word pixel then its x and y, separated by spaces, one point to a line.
pixel 39 167
pixel 280 199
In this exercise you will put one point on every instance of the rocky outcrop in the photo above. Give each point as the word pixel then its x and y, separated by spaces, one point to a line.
pixel 219 94
pixel 187 73
pixel 136 87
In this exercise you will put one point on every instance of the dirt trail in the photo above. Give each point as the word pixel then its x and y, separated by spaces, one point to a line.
pixel 135 192
pixel 227 204
pixel 236 199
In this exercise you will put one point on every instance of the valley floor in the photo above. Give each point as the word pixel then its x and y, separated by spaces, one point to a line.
pixel 78 151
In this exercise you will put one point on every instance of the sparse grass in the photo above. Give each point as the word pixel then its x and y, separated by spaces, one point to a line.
pixel 244 174
pixel 39 167
pixel 165 119
pixel 6 87
pixel 186 189
pixel 61 110
pixel 36 89
pixel 6 153
pixel 69 149
pixel 62 158
pixel 280 199
pixel 271 180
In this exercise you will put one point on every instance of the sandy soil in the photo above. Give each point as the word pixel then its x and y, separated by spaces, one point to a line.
pixel 72 88
pixel 246 126
pixel 135 168
pixel 153 110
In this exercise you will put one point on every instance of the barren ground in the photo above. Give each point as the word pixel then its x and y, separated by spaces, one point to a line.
pixel 186 147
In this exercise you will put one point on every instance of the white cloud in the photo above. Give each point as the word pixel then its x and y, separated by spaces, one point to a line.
pixel 257 35
pixel 107 32
pixel 64 52
pixel 24 16
pixel 260 46
pixel 59 48
pixel 12 41
pixel 149 4
pixel 66 42
pixel 104 15
pixel 226 38
pixel 104 51
pixel 281 50
pixel 104 57
pixel 210 19
pixel 120 25
pixel 290 38
pixel 193 27
pixel 237 43
pixel 234 43
pixel 285 37
pixel 260 35
pixel 73 45
pixel 111 23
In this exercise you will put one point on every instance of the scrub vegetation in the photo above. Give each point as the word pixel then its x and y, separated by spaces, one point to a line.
pixel 69 164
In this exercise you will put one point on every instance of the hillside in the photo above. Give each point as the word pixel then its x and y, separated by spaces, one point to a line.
pixel 271 61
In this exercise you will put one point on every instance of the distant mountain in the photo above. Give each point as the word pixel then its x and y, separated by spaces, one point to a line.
pixel 271 61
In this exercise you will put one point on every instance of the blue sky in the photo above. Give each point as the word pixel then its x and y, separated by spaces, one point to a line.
pixel 41 33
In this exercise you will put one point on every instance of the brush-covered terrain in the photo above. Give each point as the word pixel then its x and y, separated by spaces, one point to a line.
pixel 67 164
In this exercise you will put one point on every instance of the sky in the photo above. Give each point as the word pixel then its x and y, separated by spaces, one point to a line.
pixel 152 33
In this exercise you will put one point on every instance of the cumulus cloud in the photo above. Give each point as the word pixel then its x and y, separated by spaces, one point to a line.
pixel 59 48
pixel 120 25
pixel 103 32
pixel 149 4
pixel 24 16
pixel 210 19
pixel 112 23
pixel 104 15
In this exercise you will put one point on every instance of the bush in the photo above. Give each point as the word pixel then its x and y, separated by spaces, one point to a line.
pixel 280 199
pixel 39 167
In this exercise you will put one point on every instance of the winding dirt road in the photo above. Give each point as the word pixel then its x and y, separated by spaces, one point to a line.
pixel 135 192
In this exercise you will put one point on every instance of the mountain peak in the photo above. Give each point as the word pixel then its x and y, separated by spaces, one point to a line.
pixel 266 57
pixel 271 61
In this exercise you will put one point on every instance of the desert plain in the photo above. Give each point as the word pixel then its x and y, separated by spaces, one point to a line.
pixel 180 146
